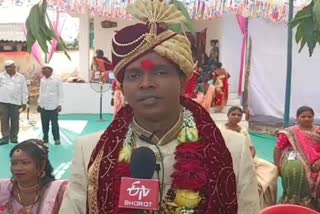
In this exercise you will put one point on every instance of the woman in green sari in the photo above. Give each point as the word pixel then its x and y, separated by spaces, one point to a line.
pixel 297 156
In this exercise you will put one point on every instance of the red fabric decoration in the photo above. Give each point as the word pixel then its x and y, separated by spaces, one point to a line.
pixel 219 191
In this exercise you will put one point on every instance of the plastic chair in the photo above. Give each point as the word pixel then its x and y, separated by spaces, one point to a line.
pixel 288 209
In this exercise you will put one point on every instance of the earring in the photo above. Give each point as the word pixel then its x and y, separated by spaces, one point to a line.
pixel 43 173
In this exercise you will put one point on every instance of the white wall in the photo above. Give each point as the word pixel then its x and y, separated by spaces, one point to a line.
pixel 103 36
pixel 214 30
pixel 84 47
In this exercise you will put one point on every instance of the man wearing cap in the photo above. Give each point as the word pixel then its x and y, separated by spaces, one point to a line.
pixel 201 175
pixel 13 97
pixel 50 101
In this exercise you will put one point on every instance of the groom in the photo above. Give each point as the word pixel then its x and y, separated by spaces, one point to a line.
pixel 153 64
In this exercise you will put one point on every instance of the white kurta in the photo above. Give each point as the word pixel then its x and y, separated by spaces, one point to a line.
pixel 13 89
pixel 51 93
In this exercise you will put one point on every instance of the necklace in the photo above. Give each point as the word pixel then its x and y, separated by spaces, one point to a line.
pixel 307 130
pixel 236 129
pixel 32 188
pixel 25 209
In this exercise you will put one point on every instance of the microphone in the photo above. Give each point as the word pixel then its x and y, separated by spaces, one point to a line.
pixel 140 192
pixel 142 163
pixel 158 166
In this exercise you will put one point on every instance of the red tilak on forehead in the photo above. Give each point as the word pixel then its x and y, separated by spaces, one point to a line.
pixel 147 65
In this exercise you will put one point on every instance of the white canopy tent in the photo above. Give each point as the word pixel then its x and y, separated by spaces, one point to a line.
pixel 268 72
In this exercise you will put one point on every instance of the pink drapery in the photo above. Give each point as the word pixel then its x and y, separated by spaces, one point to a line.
pixel 243 24
pixel 36 50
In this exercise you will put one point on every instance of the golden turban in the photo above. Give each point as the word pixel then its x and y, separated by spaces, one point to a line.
pixel 136 40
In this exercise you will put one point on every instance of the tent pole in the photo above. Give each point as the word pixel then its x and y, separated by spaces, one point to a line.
pixel 289 68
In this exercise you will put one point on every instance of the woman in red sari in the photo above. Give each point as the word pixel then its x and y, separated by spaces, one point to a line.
pixel 221 77
pixel 297 156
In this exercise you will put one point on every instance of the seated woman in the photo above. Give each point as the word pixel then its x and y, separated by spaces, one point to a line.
pixel 297 156
pixel 213 88
pixel 32 188
pixel 100 67
pixel 266 172
pixel 205 90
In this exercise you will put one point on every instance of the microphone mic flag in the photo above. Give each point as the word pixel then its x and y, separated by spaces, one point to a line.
pixel 140 192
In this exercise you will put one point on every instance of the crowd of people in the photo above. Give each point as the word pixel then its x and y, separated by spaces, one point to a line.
pixel 209 84
pixel 203 168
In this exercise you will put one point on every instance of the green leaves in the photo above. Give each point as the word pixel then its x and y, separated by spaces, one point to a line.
pixel 38 29
pixel 307 22
pixel 178 28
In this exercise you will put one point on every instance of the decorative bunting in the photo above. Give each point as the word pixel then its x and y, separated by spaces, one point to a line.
pixel 273 10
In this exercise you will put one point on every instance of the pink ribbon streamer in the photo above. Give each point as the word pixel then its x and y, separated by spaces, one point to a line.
pixel 35 50
pixel 58 33
pixel 243 24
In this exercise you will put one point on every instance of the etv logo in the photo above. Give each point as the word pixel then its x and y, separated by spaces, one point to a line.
pixel 141 191
pixel 139 194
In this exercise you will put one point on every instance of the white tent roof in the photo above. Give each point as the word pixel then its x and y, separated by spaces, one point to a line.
pixel 13 18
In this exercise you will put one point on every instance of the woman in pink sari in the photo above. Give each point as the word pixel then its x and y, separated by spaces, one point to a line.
pixel 32 189
pixel 297 156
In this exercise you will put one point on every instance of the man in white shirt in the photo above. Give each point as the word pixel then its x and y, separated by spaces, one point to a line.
pixel 50 101
pixel 13 97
